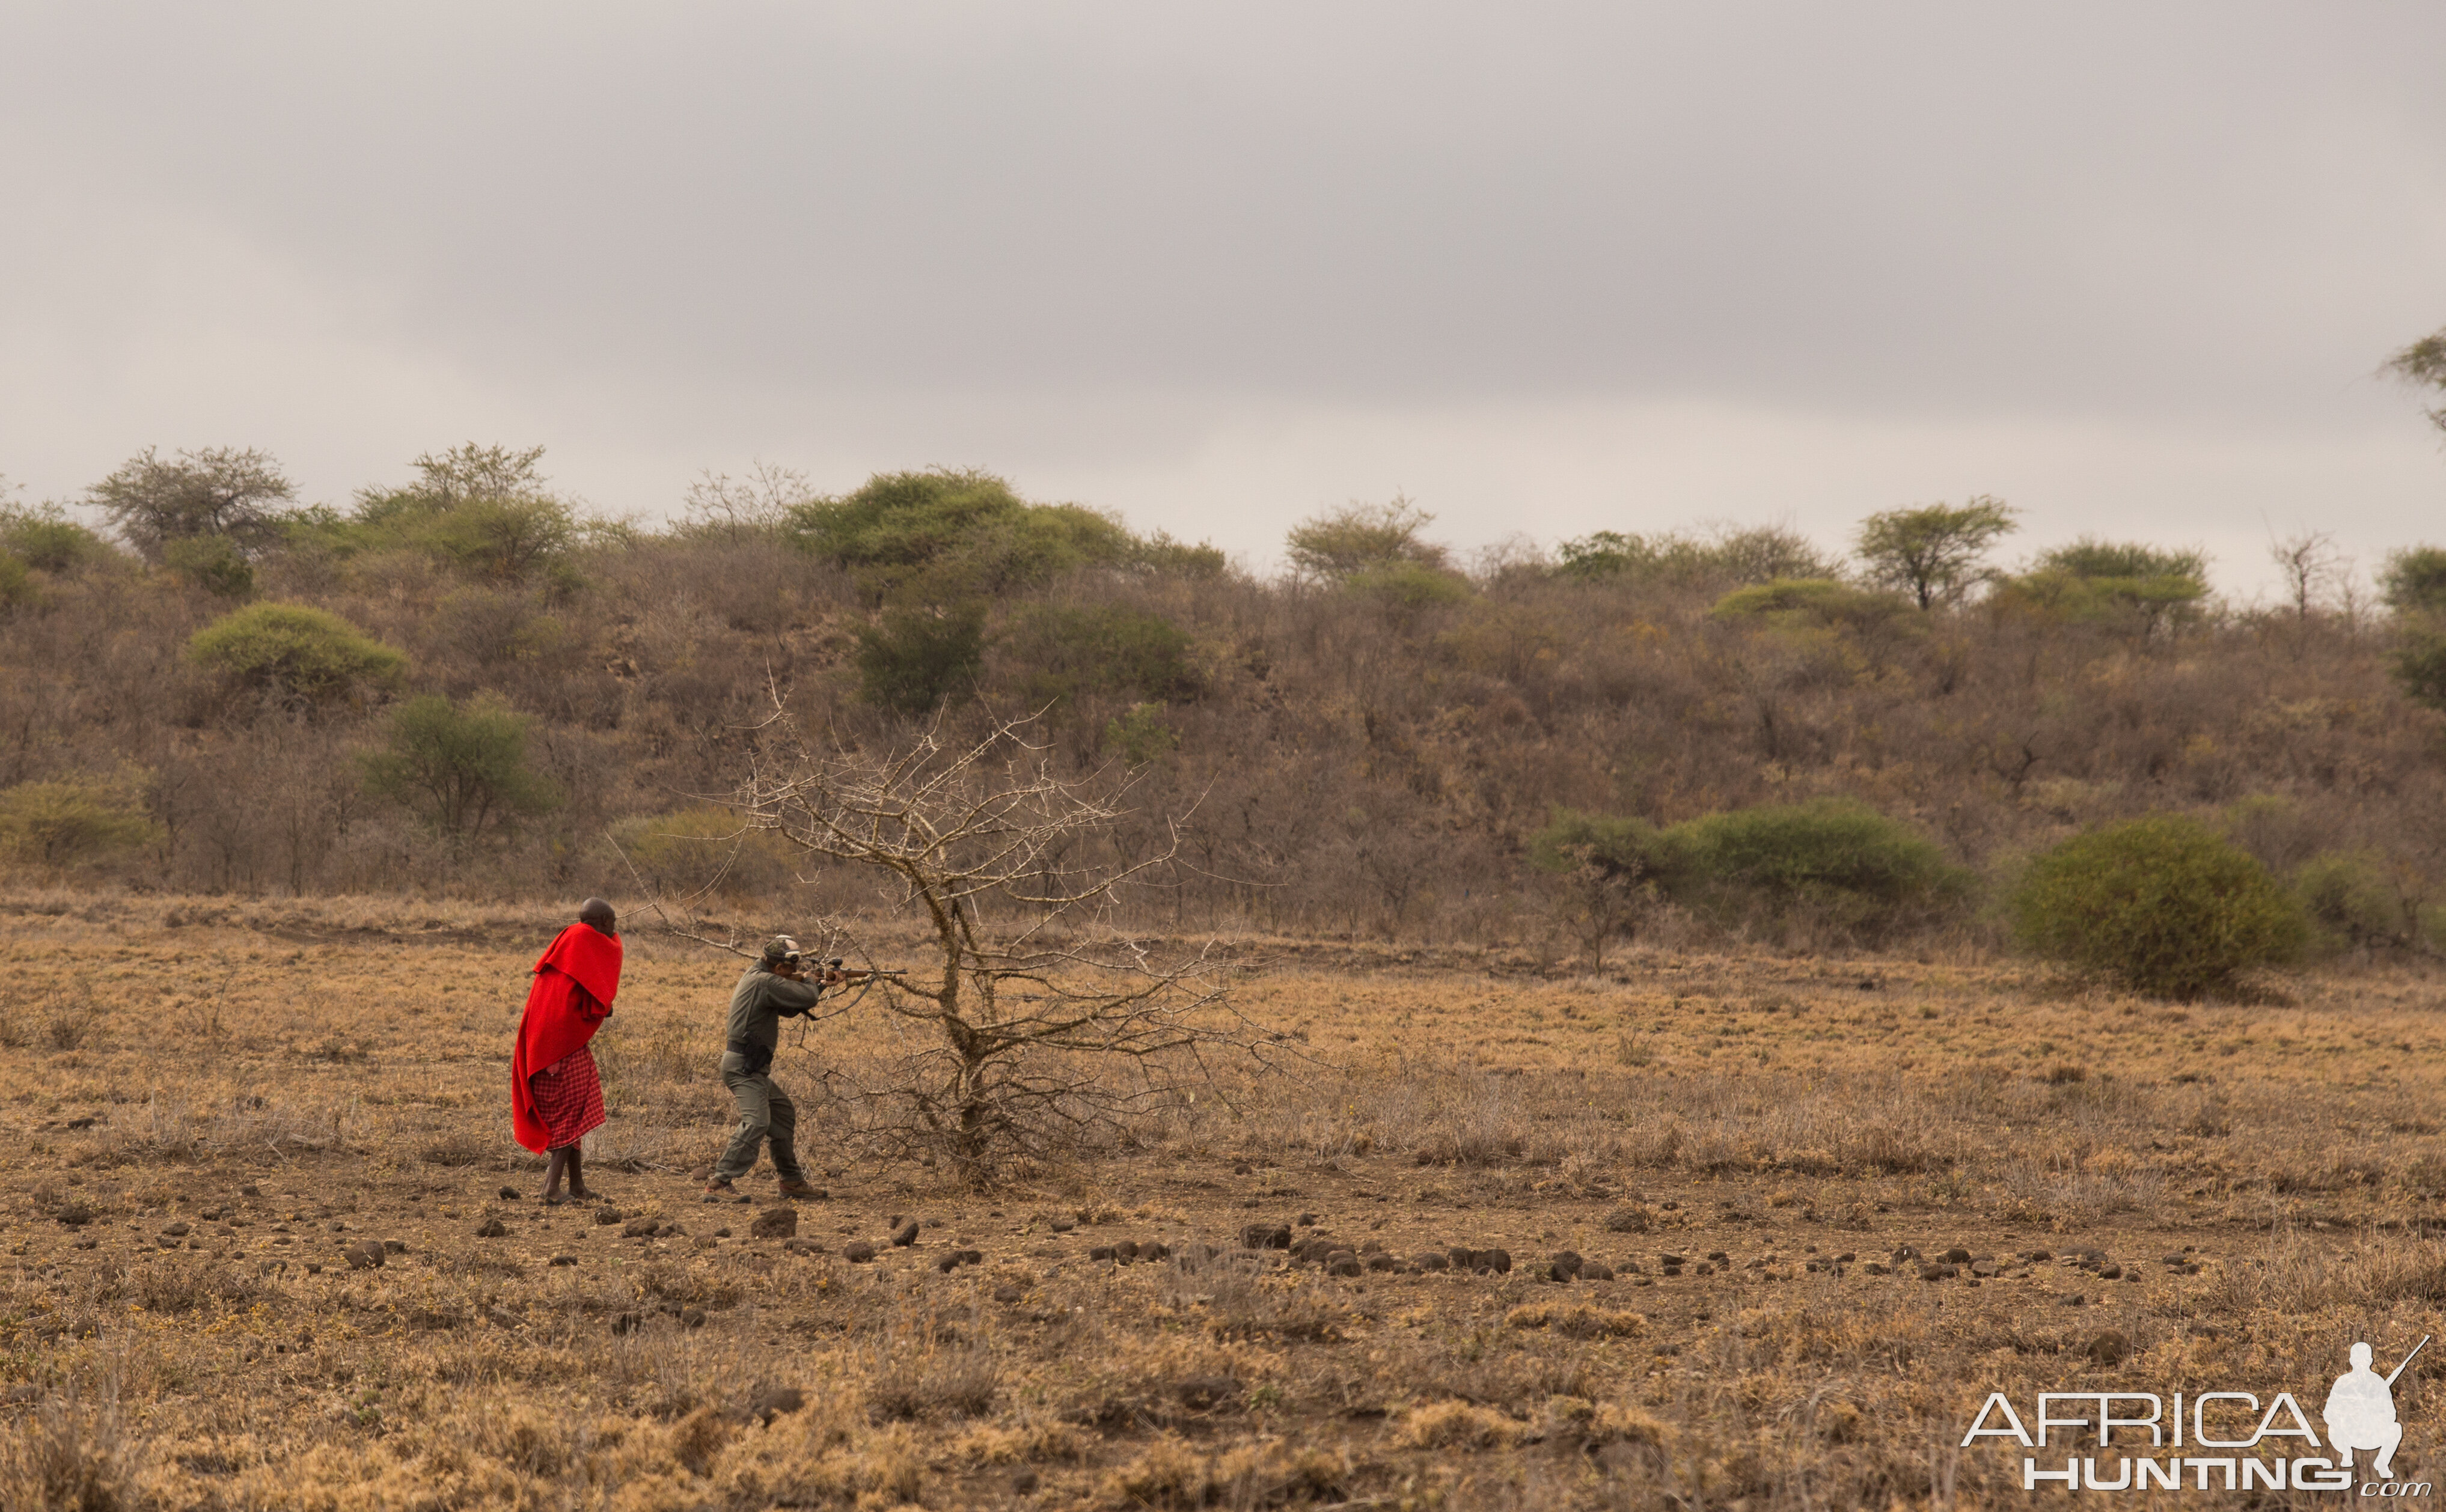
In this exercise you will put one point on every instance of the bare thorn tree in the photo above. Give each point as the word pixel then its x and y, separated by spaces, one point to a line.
pixel 1048 1024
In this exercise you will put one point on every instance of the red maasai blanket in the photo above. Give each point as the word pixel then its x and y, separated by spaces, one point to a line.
pixel 575 984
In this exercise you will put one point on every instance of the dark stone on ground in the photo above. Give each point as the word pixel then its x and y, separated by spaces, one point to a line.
pixel 607 1215
pixel 775 1223
pixel 857 1252
pixel 364 1256
pixel 491 1228
pixel 1061 1225
pixel 564 1259
pixel 1958 1255
pixel 640 1227
pixel 905 1234
pixel 773 1401
pixel 1008 1293
pixel 509 1194
pixel 692 1317
pixel 2109 1348
pixel 1563 1265
pixel 1203 1393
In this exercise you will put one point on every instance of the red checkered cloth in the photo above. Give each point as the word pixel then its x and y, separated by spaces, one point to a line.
pixel 569 1096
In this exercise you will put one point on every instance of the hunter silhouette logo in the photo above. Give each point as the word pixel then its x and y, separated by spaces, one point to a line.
pixel 2360 1412
pixel 2206 1429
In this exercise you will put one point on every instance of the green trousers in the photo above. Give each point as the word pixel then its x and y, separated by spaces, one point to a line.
pixel 765 1113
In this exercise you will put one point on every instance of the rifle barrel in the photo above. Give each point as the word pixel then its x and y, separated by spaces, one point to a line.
pixel 2407 1359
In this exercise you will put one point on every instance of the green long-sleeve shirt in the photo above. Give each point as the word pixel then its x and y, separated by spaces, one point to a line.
pixel 758 1005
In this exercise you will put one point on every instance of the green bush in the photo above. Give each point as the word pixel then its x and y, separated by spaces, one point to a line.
pixel 941 537
pixel 1839 860
pixel 1810 601
pixel 2163 905
pixel 301 656
pixel 1104 649
pixel 702 849
pixel 2414 579
pixel 47 540
pixel 1141 734
pixel 213 563
pixel 910 659
pixel 2353 902
pixel 17 587
pixel 1407 585
pixel 2419 667
pixel 1609 868
pixel 1761 554
pixel 461 771
pixel 55 824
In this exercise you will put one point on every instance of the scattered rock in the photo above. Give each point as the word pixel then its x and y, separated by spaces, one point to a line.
pixel 775 1401
pixel 564 1259
pixel 1876 1268
pixel 640 1227
pixel 75 1215
pixel 394 1247
pixel 491 1228
pixel 1670 1259
pixel 509 1194
pixel 313 1267
pixel 1343 1263
pixel 176 1231
pixel 1242 1169
pixel 1262 1235
pixel 1939 1271
pixel 1203 1393
pixel 905 1234
pixel 86 1122
pixel 2110 1273
pixel 857 1252
pixel 775 1223
pixel 1433 1262
pixel 1984 1269
pixel 364 1256
pixel 1126 1250
pixel 1630 1218
pixel 1957 1256
pixel 1008 1293
pixel 2110 1348
pixel 1155 1250
pixel 606 1216
pixel 1306 1220
pixel 1102 1252
pixel 1564 1266
pixel 1060 1225
pixel 1596 1273
pixel 692 1317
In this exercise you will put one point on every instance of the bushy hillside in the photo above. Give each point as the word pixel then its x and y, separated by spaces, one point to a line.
pixel 461 686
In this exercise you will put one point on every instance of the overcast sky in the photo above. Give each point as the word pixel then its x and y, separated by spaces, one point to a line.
pixel 1546 269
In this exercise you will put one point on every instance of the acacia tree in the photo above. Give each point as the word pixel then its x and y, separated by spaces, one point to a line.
pixel 1932 552
pixel 219 494
pixel 1046 1024
pixel 2423 366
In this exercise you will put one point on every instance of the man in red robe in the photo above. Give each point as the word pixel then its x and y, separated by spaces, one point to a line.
pixel 555 1094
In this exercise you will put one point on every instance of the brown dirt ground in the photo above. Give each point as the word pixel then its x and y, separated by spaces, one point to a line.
pixel 232 1101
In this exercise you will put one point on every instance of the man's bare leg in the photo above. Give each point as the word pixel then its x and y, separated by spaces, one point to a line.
pixel 552 1175
pixel 577 1186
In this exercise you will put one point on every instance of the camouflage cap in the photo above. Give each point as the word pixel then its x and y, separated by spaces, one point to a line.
pixel 781 949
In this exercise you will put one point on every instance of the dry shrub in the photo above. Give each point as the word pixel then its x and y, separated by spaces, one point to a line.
pixel 71 1455
pixel 922 1369
pixel 1242 1301
pixel 1578 1321
pixel 818 1457
pixel 1456 1426
pixel 1173 1473
pixel 174 1288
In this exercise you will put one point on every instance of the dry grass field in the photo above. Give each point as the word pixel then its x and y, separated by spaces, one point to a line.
pixel 209 1104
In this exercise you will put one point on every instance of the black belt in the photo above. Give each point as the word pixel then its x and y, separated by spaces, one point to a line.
pixel 759 1058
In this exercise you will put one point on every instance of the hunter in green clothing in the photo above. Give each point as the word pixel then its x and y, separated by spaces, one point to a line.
pixel 775 988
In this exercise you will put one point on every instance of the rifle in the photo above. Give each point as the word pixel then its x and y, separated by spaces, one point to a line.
pixel 2407 1359
pixel 856 972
